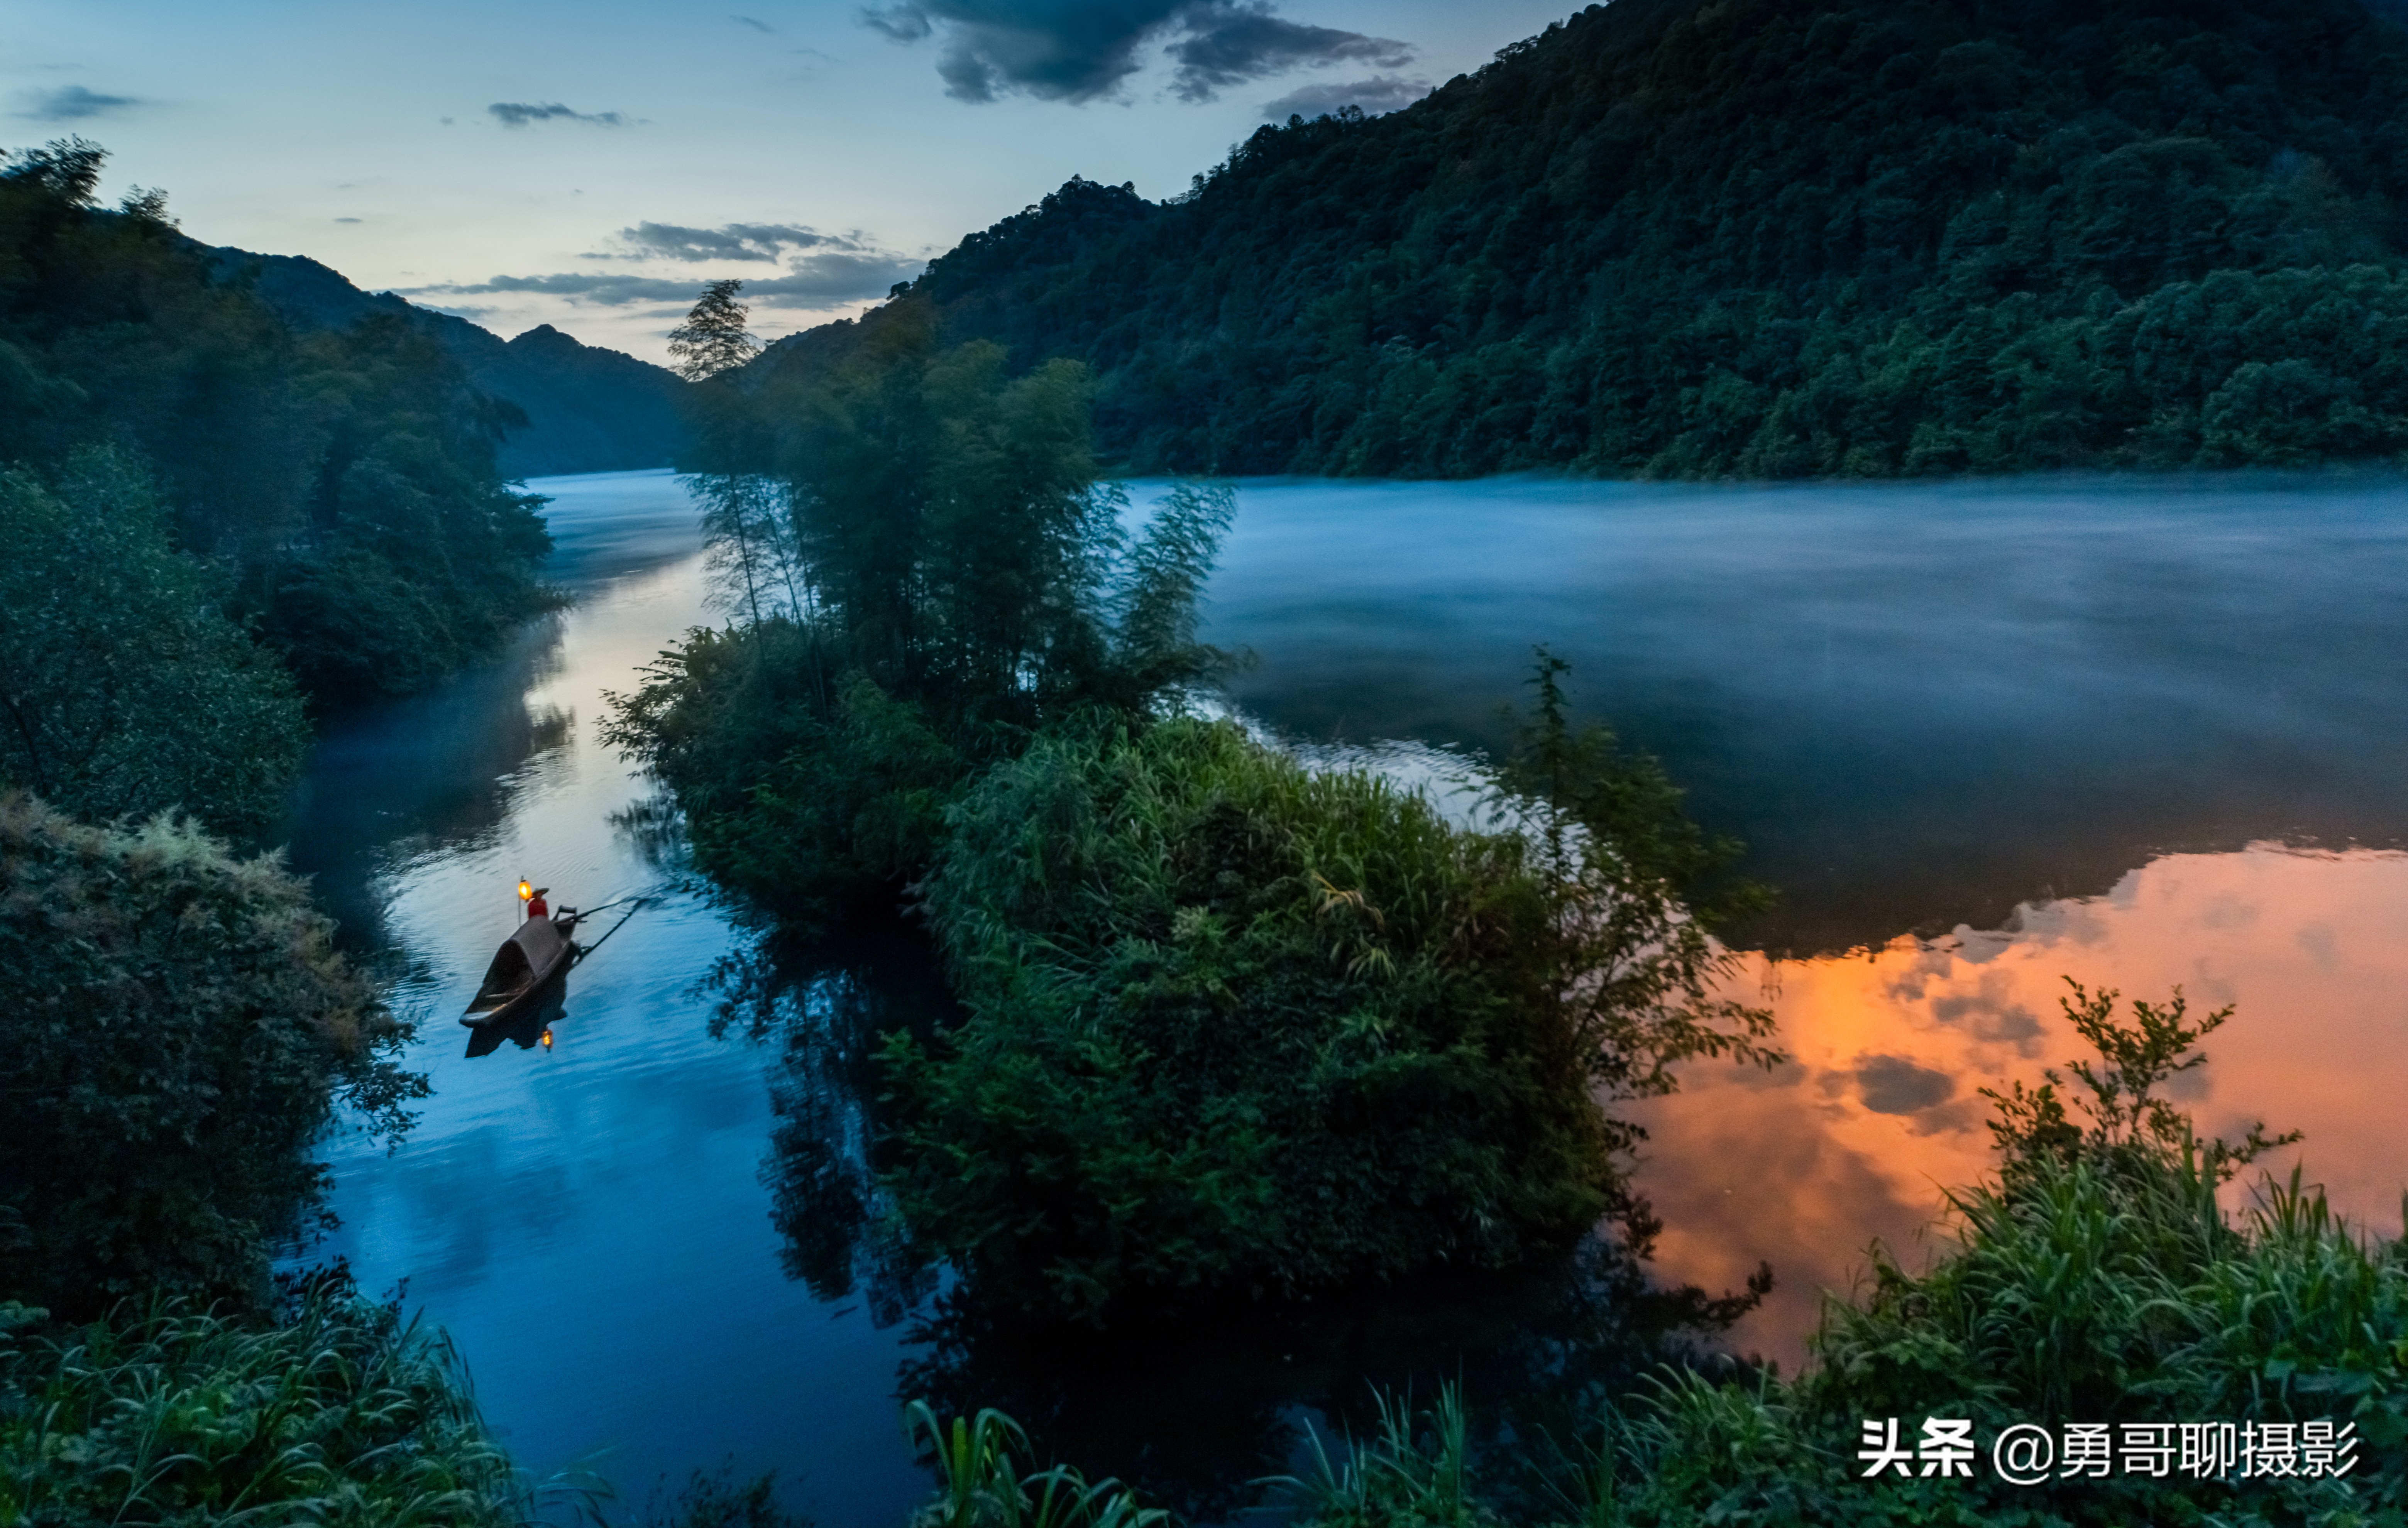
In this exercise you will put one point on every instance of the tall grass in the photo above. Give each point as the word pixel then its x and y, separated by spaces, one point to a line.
pixel 979 1483
pixel 177 1414
pixel 1415 1467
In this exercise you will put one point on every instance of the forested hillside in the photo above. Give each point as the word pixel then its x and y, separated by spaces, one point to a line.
pixel 588 409
pixel 336 493
pixel 1769 239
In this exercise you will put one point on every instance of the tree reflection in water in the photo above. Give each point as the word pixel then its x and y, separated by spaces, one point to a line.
pixel 824 1004
pixel 1191 1401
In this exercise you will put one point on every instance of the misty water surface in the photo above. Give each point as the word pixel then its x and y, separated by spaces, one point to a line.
pixel 1918 705
pixel 1922 707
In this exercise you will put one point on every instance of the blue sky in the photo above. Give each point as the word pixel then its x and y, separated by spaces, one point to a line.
pixel 590 164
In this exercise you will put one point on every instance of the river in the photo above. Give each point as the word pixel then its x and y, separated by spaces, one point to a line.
pixel 1980 737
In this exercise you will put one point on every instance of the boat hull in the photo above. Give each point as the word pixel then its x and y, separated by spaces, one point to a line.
pixel 539 950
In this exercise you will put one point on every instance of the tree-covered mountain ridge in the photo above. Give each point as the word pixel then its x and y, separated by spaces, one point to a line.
pixel 1762 238
pixel 588 408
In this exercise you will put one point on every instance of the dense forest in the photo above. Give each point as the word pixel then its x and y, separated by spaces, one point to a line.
pixel 341 485
pixel 1710 237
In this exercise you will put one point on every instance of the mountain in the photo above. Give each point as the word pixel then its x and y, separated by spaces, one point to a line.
pixel 588 409
pixel 1762 237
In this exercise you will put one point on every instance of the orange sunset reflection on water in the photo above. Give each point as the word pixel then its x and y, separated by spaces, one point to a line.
pixel 1879 1108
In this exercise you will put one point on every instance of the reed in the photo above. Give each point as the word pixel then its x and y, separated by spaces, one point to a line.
pixel 979 1485
pixel 172 1414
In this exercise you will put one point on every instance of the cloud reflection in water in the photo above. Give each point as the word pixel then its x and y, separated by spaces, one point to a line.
pixel 1879 1109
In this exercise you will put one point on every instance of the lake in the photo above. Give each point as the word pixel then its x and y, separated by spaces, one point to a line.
pixel 1980 737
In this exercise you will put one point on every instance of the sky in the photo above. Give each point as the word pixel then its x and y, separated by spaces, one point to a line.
pixel 590 166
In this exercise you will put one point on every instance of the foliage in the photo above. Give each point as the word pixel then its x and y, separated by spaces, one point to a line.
pixel 714 338
pixel 936 577
pixel 166 1414
pixel 1235 1025
pixel 409 556
pixel 346 479
pixel 978 1484
pixel 715 1499
pixel 2095 1281
pixel 1402 1474
pixel 125 691
pixel 1760 237
pixel 175 1029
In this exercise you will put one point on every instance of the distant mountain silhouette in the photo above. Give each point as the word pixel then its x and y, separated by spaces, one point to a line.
pixel 589 409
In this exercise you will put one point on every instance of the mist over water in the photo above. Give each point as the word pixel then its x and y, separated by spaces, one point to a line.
pixel 1922 707
pixel 1919 705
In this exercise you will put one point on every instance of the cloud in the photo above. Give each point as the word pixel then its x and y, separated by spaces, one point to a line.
pixel 521 113
pixel 73 103
pixel 1085 50
pixel 729 241
pixel 820 280
pixel 1894 1085
pixel 1241 43
pixel 754 24
pixel 1377 95
pixel 347 220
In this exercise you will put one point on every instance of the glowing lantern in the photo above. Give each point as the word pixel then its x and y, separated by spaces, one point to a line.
pixel 547 1036
pixel 525 891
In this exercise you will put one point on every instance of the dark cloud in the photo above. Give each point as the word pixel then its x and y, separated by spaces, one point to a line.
pixel 753 23
pixel 522 113
pixel 347 220
pixel 1238 43
pixel 1375 96
pixel 730 241
pixel 73 103
pixel 1894 1085
pixel 1084 49
pixel 819 280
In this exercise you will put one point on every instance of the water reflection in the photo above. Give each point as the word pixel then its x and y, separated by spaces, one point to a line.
pixel 1193 1404
pixel 530 1027
pixel 410 777
pixel 1880 1108
pixel 1919 705
pixel 619 1174
pixel 823 1008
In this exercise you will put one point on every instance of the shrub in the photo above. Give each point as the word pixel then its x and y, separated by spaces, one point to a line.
pixel 176 1028
pixel 1235 1025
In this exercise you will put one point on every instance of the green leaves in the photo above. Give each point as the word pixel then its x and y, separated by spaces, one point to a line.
pixel 124 691
pixel 1235 1025
pixel 977 1483
pixel 176 1030
pixel 1860 238
pixel 166 1414
pixel 342 487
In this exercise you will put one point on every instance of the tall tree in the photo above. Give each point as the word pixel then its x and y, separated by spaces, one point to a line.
pixel 740 516
pixel 714 338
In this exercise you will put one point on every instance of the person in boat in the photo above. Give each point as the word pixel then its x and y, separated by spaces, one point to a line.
pixel 536 907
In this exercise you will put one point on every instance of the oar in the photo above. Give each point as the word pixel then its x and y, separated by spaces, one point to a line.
pixel 585 951
pixel 588 912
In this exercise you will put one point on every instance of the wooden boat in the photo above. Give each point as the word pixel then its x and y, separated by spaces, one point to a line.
pixel 539 951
